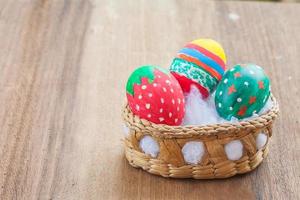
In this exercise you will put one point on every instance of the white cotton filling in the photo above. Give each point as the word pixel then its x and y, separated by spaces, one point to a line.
pixel 149 146
pixel 261 140
pixel 199 111
pixel 267 106
pixel 234 150
pixel 193 152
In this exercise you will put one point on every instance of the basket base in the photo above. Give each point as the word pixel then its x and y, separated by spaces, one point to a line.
pixel 220 170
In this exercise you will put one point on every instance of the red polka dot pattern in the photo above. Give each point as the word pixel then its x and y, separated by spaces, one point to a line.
pixel 160 101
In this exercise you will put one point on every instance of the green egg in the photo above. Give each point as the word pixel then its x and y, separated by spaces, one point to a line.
pixel 242 92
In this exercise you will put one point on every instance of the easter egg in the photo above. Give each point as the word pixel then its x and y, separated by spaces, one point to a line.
pixel 242 92
pixel 154 94
pixel 202 63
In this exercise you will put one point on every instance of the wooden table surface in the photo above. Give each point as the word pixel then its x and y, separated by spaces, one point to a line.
pixel 63 69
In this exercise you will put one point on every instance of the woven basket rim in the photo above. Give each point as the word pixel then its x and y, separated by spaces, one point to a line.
pixel 217 130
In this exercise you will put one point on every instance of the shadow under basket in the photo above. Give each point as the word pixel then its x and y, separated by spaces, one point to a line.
pixel 214 163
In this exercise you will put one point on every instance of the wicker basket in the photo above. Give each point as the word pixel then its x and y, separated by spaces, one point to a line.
pixel 214 163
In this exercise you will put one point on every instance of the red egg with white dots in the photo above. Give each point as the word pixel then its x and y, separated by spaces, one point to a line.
pixel 154 94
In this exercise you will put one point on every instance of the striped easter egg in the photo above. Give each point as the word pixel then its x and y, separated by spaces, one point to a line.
pixel 202 63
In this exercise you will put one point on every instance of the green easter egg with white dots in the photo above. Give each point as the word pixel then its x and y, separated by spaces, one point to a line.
pixel 242 92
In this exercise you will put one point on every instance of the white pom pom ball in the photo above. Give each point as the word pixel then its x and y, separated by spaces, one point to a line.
pixel 149 146
pixel 261 140
pixel 126 130
pixel 193 152
pixel 234 150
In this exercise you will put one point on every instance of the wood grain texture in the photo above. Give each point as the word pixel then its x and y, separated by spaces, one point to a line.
pixel 63 67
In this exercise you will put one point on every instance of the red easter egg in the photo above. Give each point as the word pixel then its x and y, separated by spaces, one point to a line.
pixel 154 94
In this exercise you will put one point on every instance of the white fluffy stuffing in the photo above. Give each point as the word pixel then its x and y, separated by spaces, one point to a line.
pixel 202 112
pixel 261 140
pixel 234 150
pixel 193 152
pixel 199 111
pixel 149 146
pixel 267 107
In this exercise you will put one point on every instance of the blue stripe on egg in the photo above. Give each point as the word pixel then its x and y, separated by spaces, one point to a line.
pixel 201 57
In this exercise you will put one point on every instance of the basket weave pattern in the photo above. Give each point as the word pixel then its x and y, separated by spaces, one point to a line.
pixel 214 163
